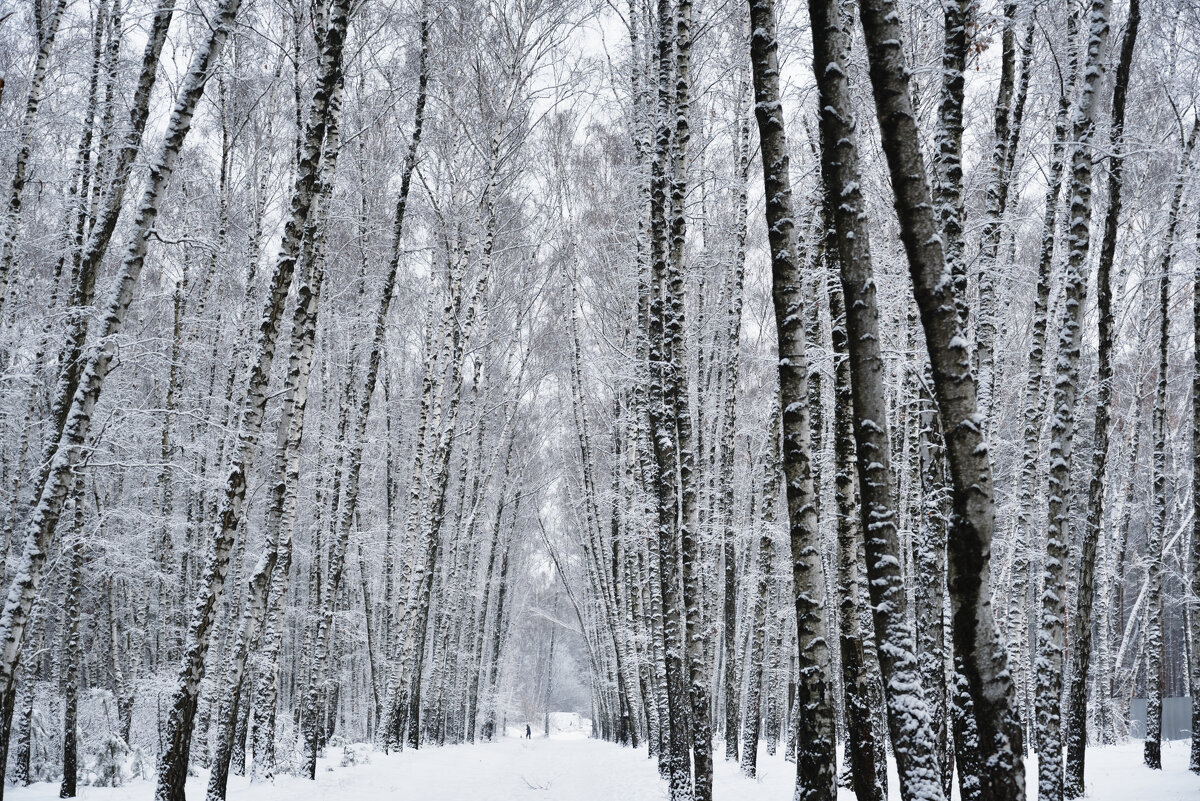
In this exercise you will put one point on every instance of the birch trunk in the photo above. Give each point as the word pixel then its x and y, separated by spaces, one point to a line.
pixel 1194 762
pixel 285 467
pixel 977 646
pixel 48 31
pixel 815 754
pixel 72 650
pixel 908 718
pixel 758 629
pixel 172 765
pixel 1018 622
pixel 1156 533
pixel 860 730
pixel 65 449
pixel 349 510
pixel 727 448
pixel 1077 695
pixel 1051 639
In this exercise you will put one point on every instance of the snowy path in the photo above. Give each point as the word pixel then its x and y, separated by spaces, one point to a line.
pixel 577 769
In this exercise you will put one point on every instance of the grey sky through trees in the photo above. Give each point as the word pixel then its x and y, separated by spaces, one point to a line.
pixel 698 377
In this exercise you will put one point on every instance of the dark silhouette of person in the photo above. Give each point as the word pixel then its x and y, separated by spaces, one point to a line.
pixel 528 732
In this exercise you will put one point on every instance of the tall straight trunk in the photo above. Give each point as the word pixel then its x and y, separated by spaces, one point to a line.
pixel 1019 634
pixel 72 650
pixel 1051 640
pixel 65 450
pixel 1194 642
pixel 860 729
pixel 358 436
pixel 948 193
pixel 1156 533
pixel 727 449
pixel 686 419
pixel 977 647
pixel 1152 747
pixel 930 564
pixel 999 177
pixel 172 765
pixel 664 432
pixel 908 718
pixel 815 754
pixel 758 627
pixel 1077 696
pixel 1112 615
pixel 948 196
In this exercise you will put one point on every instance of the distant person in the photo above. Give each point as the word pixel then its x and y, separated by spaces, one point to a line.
pixel 528 732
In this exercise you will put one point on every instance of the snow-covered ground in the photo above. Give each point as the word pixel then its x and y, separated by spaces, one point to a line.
pixel 571 767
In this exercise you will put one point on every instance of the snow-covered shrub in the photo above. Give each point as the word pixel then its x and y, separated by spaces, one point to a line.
pixel 356 754
pixel 110 767
pixel 140 766
pixel 44 756
pixel 288 758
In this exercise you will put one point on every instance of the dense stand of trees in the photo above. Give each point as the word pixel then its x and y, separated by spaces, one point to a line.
pixel 768 374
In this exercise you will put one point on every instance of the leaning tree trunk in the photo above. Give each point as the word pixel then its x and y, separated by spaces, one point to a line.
pixel 66 450
pixel 284 470
pixel 977 647
pixel 172 769
pixel 815 753
pixel 63 408
pixel 87 259
pixel 908 718
pixel 78 192
pixel 1077 696
pixel 48 30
